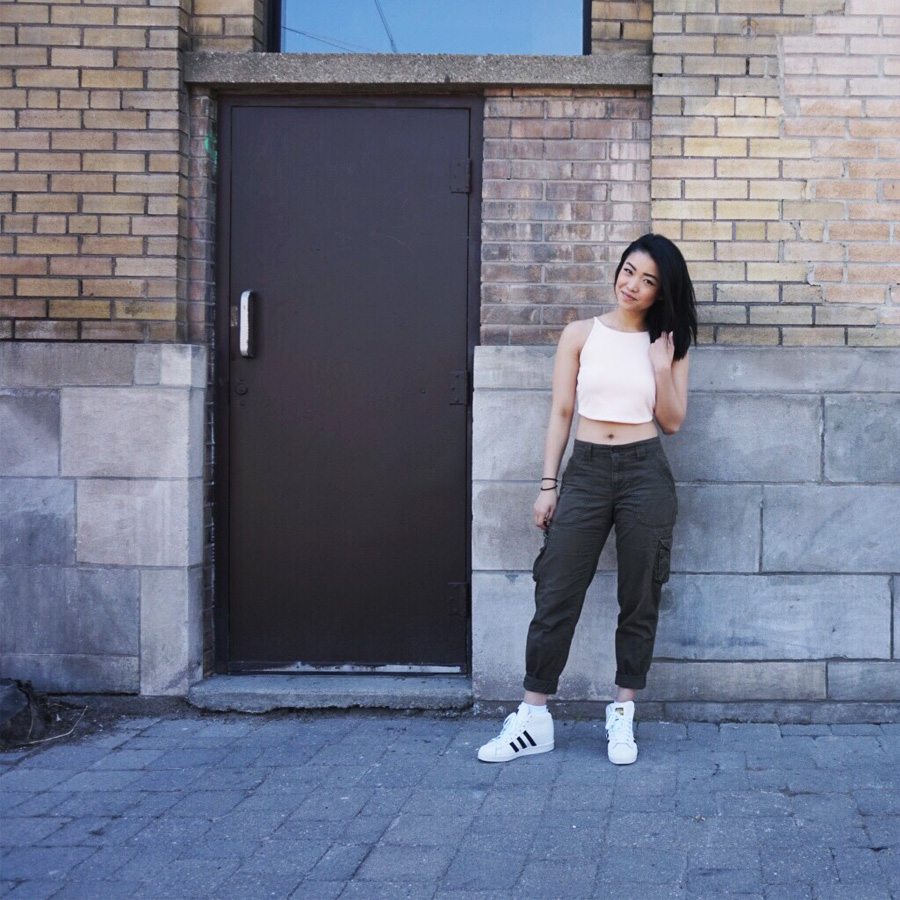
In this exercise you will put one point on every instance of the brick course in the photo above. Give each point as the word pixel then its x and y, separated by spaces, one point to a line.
pixel 802 159
pixel 559 207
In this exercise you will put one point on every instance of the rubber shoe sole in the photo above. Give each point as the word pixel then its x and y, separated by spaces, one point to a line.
pixel 487 755
pixel 624 760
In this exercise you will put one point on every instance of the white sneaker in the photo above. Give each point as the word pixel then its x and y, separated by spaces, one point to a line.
pixel 621 749
pixel 524 733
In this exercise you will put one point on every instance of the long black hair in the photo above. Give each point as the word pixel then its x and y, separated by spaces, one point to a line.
pixel 674 309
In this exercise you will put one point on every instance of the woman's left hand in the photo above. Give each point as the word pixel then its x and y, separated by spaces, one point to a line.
pixel 662 351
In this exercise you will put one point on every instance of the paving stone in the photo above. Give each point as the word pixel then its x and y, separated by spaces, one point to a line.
pixel 257 886
pixel 858 865
pixel 18 831
pixel 388 890
pixel 562 880
pixel 319 890
pixel 853 892
pixel 34 889
pixel 659 867
pixel 883 831
pixel 92 890
pixel 483 871
pixel 339 863
pixel 423 831
pixel 808 864
pixel 386 863
pixel 51 863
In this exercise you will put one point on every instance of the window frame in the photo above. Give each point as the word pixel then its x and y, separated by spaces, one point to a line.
pixel 273 29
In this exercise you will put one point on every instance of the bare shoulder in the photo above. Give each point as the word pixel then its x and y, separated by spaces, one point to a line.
pixel 575 334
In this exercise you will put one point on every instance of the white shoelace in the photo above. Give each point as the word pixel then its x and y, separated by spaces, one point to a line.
pixel 508 729
pixel 620 730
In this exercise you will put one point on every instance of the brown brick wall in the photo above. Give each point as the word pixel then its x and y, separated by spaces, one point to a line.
pixel 566 187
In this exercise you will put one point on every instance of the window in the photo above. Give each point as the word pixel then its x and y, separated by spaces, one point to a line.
pixel 544 27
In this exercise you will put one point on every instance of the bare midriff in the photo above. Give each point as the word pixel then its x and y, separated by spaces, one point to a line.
pixel 613 432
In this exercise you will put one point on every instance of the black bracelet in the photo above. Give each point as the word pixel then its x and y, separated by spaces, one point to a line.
pixel 549 488
pixel 549 478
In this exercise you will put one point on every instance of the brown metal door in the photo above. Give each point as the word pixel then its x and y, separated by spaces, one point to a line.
pixel 347 448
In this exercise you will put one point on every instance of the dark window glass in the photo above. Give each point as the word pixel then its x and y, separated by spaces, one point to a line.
pixel 546 27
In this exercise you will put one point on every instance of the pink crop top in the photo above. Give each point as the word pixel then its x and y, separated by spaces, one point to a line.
pixel 615 376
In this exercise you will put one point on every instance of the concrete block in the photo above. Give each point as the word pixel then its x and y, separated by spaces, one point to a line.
pixel 513 368
pixel 263 693
pixel 52 364
pixel 831 528
pixel 747 438
pixel 783 370
pixel 55 610
pixel 735 681
pixel 196 432
pixel 182 365
pixel 502 607
pixel 864 680
pixel 504 535
pixel 861 438
pixel 141 432
pixel 171 630
pixel 37 521
pixel 73 674
pixel 508 435
pixel 29 425
pixel 777 617
pixel 140 523
pixel 147 363
pixel 795 369
pixel 717 529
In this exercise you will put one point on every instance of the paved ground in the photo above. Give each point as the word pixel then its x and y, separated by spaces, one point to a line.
pixel 371 806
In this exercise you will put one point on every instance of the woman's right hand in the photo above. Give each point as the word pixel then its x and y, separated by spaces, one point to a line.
pixel 544 507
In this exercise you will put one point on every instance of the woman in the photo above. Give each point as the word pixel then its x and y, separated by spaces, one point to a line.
pixel 625 368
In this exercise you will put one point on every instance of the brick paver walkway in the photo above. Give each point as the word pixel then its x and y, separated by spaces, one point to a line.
pixel 372 805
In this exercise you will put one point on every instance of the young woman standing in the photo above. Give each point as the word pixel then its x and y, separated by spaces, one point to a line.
pixel 625 369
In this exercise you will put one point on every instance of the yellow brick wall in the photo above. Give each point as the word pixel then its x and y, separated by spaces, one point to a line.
pixel 776 163
pixel 236 25
pixel 93 141
pixel 621 26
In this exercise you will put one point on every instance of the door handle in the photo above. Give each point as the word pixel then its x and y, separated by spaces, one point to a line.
pixel 244 333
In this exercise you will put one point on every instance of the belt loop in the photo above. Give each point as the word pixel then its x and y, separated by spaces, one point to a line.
pixel 590 450
pixel 641 451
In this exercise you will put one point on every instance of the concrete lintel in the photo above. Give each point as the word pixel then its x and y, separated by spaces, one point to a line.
pixel 263 693
pixel 413 70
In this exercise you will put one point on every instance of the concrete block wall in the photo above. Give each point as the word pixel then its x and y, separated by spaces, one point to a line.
pixel 775 163
pixel 786 558
pixel 101 467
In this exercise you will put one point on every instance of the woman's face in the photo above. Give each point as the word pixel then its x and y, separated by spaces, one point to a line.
pixel 637 286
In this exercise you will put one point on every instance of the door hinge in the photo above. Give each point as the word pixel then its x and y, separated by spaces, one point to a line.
pixel 459 388
pixel 461 176
pixel 458 598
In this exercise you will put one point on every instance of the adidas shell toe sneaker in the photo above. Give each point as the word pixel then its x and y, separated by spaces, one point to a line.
pixel 621 748
pixel 524 733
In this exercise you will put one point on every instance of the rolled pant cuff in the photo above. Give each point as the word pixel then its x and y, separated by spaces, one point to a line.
pixel 635 682
pixel 538 686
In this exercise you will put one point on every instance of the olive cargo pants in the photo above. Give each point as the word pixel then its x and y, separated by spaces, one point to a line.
pixel 626 485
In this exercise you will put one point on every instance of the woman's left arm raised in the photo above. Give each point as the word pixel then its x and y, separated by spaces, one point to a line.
pixel 671 383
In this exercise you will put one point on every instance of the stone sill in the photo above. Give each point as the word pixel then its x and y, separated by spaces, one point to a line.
pixel 450 72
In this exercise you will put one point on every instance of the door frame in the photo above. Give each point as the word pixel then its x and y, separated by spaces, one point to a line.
pixel 222 332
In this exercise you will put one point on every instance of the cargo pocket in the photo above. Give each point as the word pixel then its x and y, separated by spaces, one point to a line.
pixel 663 560
pixel 536 568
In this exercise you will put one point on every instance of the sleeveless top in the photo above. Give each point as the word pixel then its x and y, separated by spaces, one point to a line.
pixel 615 376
